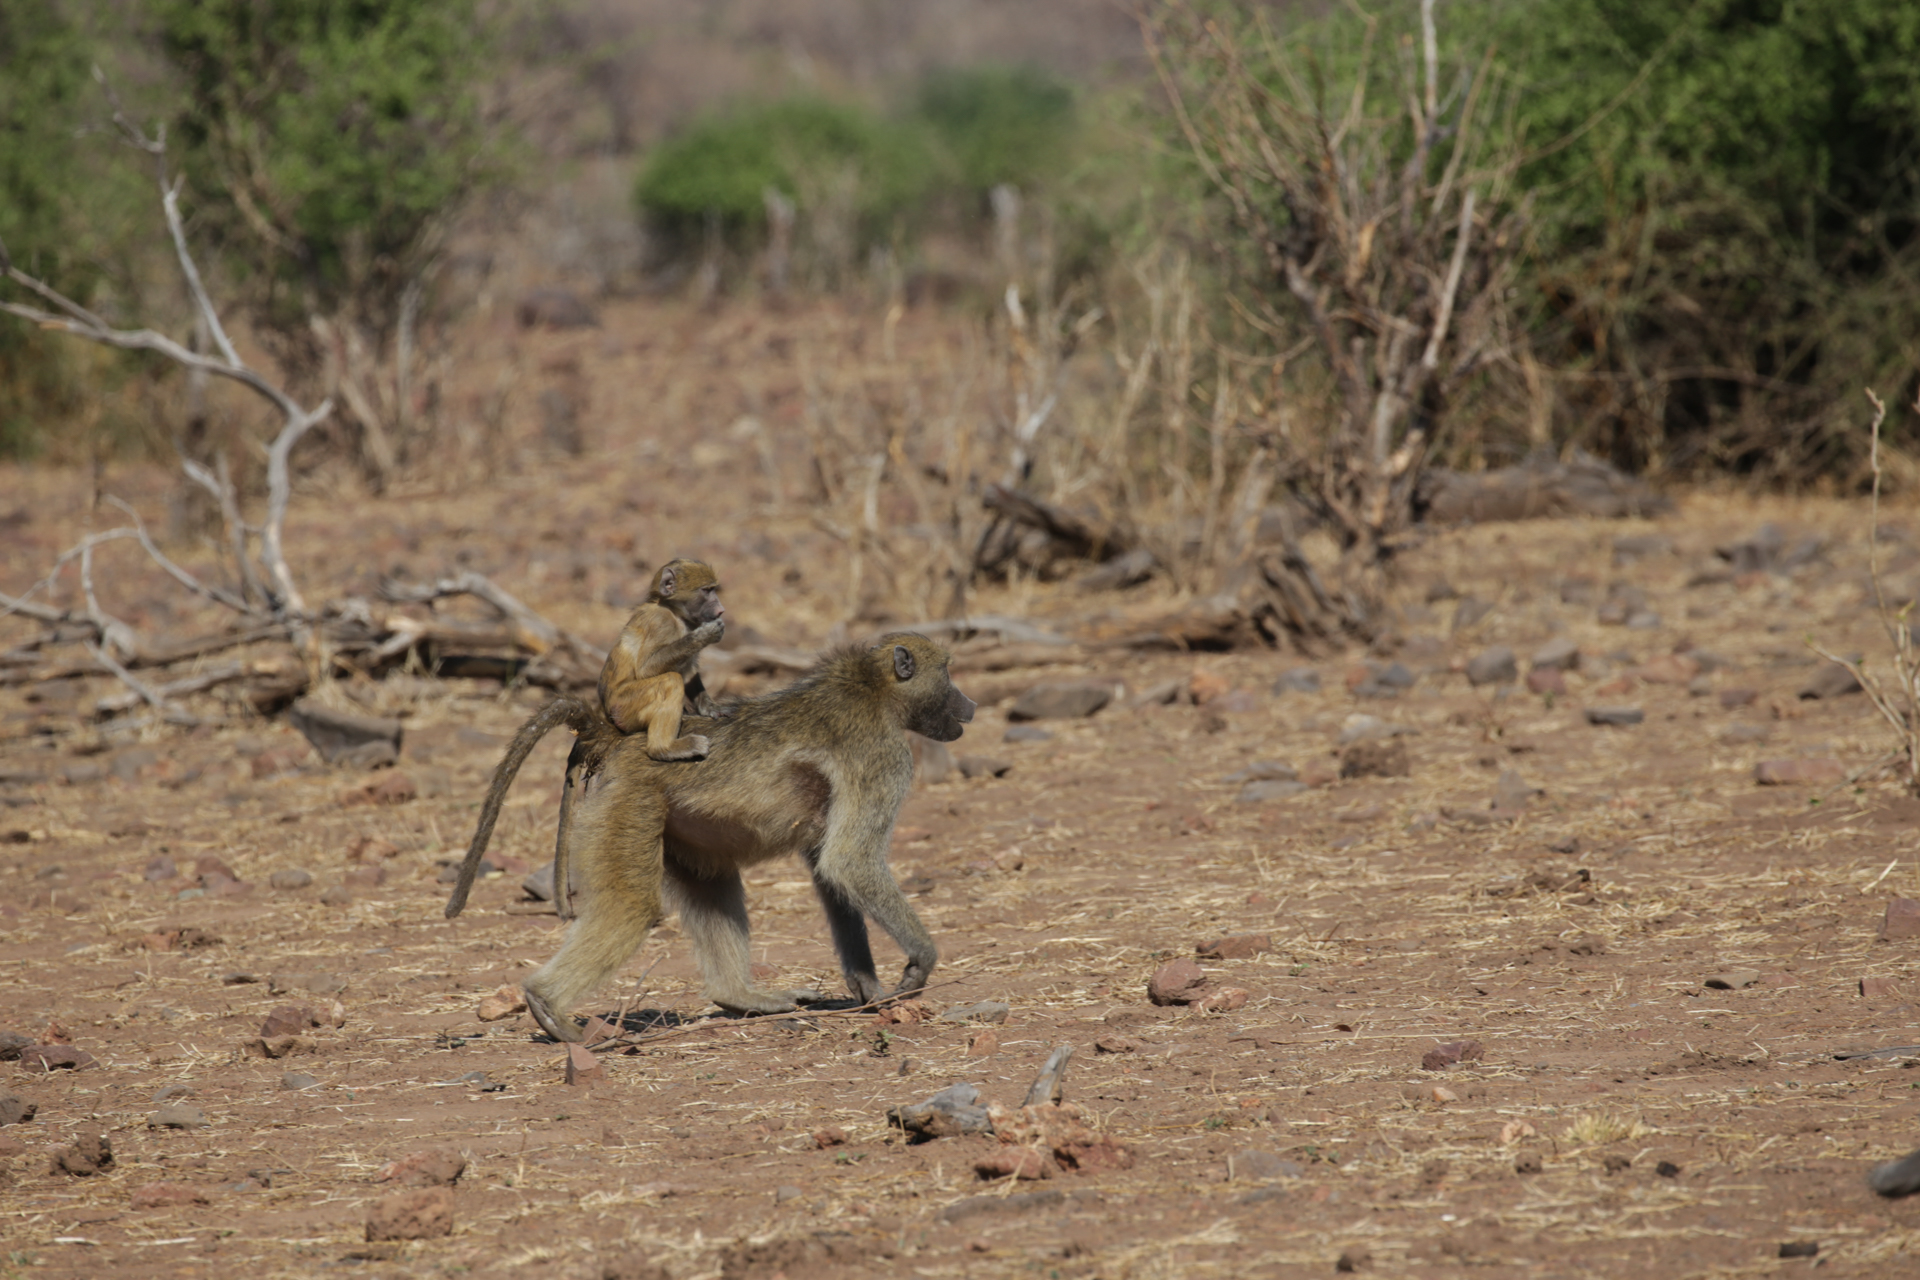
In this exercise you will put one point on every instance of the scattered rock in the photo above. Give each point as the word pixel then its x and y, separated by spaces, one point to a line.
pixel 338 896
pixel 166 1195
pixel 787 1194
pixel 983 767
pixel 1239 946
pixel 1225 1000
pixel 1812 771
pixel 1616 716
pixel 1264 771
pixel 503 1003
pixel 1831 681
pixel 1366 728
pixel 1298 680
pixel 90 1154
pixel 1743 732
pixel 1493 666
pixel 584 1066
pixel 371 849
pixel 1176 982
pixel 1116 1044
pixel 1513 792
pixel 552 308
pixel 276 1046
pixel 1021 1163
pixel 1163 694
pixel 1667 1169
pixel 394 788
pixel 1547 680
pixel 55 1057
pixel 160 867
pixel 290 878
pixel 1560 654
pixel 1799 1248
pixel 289 1020
pixel 364 877
pixel 11 1045
pixel 297 1080
pixel 1469 611
pixel 1734 980
pixel 1901 921
pixel 981 1011
pixel 1025 733
pixel 439 1167
pixel 953 1111
pixel 1375 759
pixel 1667 668
pixel 178 1116
pixel 334 734
pixel 1062 700
pixel 1443 1056
pixel 425 1214
pixel 1059 1128
pixel 1204 686
pixel 16 1110
pixel 983 1043
pixel 1527 1164
pixel 1897 1177
pixel 1255 1164
pixel 1353 1259
pixel 1273 789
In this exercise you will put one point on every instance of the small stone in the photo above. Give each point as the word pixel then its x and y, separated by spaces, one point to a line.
pixel 1255 1165
pixel 439 1167
pixel 1163 694
pixel 1811 771
pixel 1668 668
pixel 1547 680
pixel 1298 680
pixel 1513 792
pixel 55 1057
pixel 1264 771
pixel 1733 699
pixel 371 849
pixel 1204 686
pixel 1870 988
pixel 160 867
pixel 1469 611
pixel 16 1110
pixel 1742 732
pixel 983 1043
pixel 1616 716
pixel 503 1003
pixel 364 877
pixel 953 1111
pixel 1896 1177
pixel 1375 759
pixel 297 1080
pixel 1225 1000
pixel 1644 620
pixel 786 1194
pixel 338 896
pixel 1902 921
pixel 1799 1248
pixel 319 984
pixel 1116 1044
pixel 1238 946
pixel 80 772
pixel 983 767
pixel 1270 789
pixel 166 1195
pixel 1026 733
pixel 1021 1163
pixel 1831 681
pixel 1353 1259
pixel 584 1066
pixel 1062 700
pixel 334 734
pixel 1176 982
pixel 1443 1056
pixel 290 878
pixel 1618 1162
pixel 1441 1094
pixel 829 1136
pixel 288 1020
pixel 1667 1169
pixel 425 1214
pixel 276 1046
pixel 1527 1164
pixel 178 1116
pixel 90 1154
pixel 1557 655
pixel 1493 666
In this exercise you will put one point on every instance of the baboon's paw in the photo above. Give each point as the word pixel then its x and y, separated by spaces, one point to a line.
pixel 563 1029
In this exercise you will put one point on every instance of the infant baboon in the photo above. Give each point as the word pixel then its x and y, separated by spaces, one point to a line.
pixel 653 669
pixel 819 769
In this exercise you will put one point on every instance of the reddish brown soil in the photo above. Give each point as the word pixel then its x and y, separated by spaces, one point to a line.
pixel 1669 1127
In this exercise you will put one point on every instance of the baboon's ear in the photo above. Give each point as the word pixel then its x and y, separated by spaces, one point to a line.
pixel 902 662
pixel 666 581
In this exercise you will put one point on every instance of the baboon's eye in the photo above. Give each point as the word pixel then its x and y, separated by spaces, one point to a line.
pixel 902 662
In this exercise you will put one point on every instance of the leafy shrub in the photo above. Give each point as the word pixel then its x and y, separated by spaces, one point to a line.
pixel 722 165
pixel 999 124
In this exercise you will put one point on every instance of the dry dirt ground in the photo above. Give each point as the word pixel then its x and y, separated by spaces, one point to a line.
pixel 1624 1118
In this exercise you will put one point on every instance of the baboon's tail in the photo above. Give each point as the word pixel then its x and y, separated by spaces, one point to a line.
pixel 561 711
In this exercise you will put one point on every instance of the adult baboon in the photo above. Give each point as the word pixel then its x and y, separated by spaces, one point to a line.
pixel 819 769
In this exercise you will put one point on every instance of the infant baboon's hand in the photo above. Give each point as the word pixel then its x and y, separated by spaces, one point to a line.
pixel 710 632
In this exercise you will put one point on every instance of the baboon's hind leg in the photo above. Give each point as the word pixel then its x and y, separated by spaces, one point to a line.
pixel 616 848
pixel 713 911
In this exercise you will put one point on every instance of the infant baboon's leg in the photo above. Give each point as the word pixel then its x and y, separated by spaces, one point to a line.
pixel 616 849
pixel 660 701
pixel 713 911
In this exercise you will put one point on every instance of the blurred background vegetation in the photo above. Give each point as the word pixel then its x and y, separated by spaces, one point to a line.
pixel 1716 202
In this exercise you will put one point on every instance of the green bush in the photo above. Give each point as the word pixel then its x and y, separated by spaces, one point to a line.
pixel 999 124
pixel 331 141
pixel 722 165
